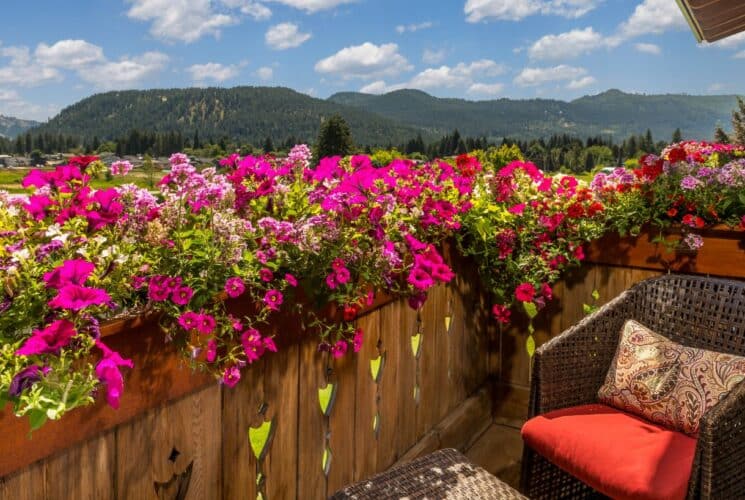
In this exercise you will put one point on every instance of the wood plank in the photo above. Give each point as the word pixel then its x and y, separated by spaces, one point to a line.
pixel 429 365
pixel 155 452
pixel 365 440
pixel 241 410
pixel 390 380
pixel 470 418
pixel 311 426
pixel 281 395
pixel 85 472
pixel 406 406
pixel 27 484
pixel 342 422
pixel 499 451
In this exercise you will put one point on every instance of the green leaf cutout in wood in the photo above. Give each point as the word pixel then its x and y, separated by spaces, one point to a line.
pixel 260 437
pixel 530 309
pixel 326 398
pixel 448 321
pixel 417 392
pixel 326 461
pixel 259 478
pixel 259 496
pixel 376 367
pixel 530 345
pixel 416 344
pixel 376 423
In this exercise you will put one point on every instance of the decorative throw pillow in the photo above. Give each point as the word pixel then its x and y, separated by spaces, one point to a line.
pixel 665 382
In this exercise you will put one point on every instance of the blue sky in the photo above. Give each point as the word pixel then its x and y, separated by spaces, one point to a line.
pixel 54 53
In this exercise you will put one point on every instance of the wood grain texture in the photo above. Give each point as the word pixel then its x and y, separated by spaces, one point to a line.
pixel 311 426
pixel 342 423
pixel 365 441
pixel 85 472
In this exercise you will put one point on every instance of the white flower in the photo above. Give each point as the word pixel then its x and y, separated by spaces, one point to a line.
pixel 21 255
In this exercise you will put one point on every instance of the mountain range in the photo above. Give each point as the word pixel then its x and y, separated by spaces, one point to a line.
pixel 11 127
pixel 251 114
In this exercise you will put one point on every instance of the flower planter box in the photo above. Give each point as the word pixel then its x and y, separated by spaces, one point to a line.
pixel 175 427
pixel 723 253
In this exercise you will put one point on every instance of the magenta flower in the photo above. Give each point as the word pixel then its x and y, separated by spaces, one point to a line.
pixel 290 279
pixel 231 376
pixel 122 167
pixel 420 279
pixel 49 340
pixel 108 373
pixel 234 287
pixel 189 320
pixel 331 281
pixel 417 301
pixel 37 206
pixel 182 295
pixel 517 209
pixel 72 272
pixel 339 349
pixel 525 292
pixel 501 313
pixel 266 275
pixel 253 344
pixel 211 350
pixel 273 299
pixel 75 298
pixel 269 344
pixel 206 324
pixel 157 291
pixel 358 340
pixel 342 276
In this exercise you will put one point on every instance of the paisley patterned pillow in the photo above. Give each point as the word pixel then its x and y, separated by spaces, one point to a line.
pixel 665 382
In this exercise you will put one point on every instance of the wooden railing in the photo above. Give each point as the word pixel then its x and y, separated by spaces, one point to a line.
pixel 179 430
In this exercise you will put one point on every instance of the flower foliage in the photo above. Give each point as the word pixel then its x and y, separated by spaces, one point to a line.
pixel 524 228
pixel 276 235
pixel 691 184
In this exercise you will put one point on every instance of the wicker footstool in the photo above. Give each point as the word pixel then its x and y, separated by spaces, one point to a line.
pixel 443 474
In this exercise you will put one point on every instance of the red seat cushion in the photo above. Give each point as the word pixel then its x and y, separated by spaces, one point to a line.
pixel 616 453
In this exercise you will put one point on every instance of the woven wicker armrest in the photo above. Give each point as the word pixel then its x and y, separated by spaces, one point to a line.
pixel 719 467
pixel 569 369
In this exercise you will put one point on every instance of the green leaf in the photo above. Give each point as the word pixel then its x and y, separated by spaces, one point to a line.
pixel 586 308
pixel 326 398
pixel 530 309
pixel 259 437
pixel 530 345
pixel 595 295
pixel 416 344
pixel 36 419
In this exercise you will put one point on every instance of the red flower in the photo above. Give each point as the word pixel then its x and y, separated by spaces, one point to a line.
pixel 672 212
pixel 350 312
pixel 677 154
pixel 575 210
pixel 525 292
pixel 501 313
pixel 82 161
pixel 468 165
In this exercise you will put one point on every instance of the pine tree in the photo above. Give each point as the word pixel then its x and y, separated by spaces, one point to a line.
pixel 268 145
pixel 738 122
pixel 677 136
pixel 334 138
pixel 721 136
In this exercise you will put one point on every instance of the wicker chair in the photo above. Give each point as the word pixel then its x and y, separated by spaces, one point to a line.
pixel 568 371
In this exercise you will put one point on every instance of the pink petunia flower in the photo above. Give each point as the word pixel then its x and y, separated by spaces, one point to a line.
pixel 49 340
pixel 231 376
pixel 273 299
pixel 358 340
pixel 420 279
pixel 211 350
pixel 109 374
pixel 72 272
pixel 206 324
pixel 75 298
pixel 182 295
pixel 501 313
pixel 290 279
pixel 234 287
pixel 189 320
pixel 339 349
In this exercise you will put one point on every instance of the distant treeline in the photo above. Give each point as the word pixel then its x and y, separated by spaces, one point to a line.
pixel 552 154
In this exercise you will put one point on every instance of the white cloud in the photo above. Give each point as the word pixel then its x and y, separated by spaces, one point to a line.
pixel 258 11
pixel 433 56
pixel 515 10
pixel 285 36
pixel 411 28
pixel 653 16
pixel 21 70
pixel 265 73
pixel 566 45
pixel 486 89
pixel 716 87
pixel 380 87
pixel 581 83
pixel 529 77
pixel 9 95
pixel 216 72
pixel 740 55
pixel 125 73
pixel 648 48
pixel 180 20
pixel 69 54
pixel 312 6
pixel 365 61
pixel 461 75
pixel 12 104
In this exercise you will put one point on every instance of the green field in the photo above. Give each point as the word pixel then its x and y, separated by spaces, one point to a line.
pixel 10 179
